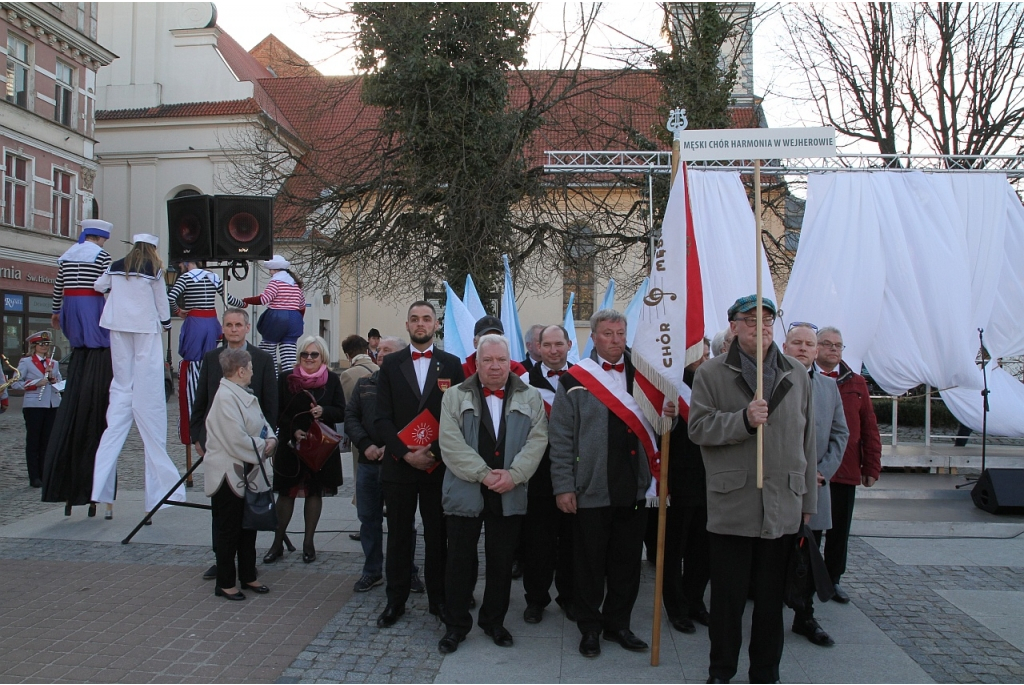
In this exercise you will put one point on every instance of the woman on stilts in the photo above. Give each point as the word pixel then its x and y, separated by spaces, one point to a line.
pixel 135 313
pixel 280 324
pixel 81 417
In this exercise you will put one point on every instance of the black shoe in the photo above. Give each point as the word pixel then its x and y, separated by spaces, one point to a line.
pixel 354 536
pixel 367 582
pixel 92 510
pixel 534 613
pixel 273 555
pixel 568 609
pixel 810 629
pixel 590 645
pixel 234 597
pixel 517 570
pixel 683 625
pixel 627 639
pixel 416 584
pixel 701 616
pixel 450 642
pixel 258 589
pixel 500 635
pixel 840 595
pixel 391 613
pixel 308 554
pixel 713 679
pixel 210 573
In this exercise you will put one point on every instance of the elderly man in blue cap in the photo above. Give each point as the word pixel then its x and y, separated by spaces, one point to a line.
pixel 751 527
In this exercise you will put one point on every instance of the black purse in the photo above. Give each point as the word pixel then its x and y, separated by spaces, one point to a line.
pixel 806 573
pixel 260 512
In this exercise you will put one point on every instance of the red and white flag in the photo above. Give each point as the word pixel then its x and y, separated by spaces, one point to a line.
pixel 670 330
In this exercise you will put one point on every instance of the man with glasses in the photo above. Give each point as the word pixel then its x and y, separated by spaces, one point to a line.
pixel 862 461
pixel 751 527
pixel 830 437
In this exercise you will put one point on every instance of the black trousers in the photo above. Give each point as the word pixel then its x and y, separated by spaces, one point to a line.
pixel 401 499
pixel 837 539
pixel 547 540
pixel 38 426
pixel 607 543
pixel 500 542
pixel 232 540
pixel 686 545
pixel 732 558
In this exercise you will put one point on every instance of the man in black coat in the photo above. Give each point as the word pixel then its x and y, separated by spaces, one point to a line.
pixel 235 327
pixel 410 382
pixel 547 532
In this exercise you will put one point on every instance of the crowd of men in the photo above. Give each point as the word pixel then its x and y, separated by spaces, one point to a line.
pixel 550 462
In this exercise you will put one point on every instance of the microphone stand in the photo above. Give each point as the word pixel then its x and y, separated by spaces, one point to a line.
pixel 985 408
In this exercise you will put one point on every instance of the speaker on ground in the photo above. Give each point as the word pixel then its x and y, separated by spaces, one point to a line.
pixel 243 227
pixel 1000 491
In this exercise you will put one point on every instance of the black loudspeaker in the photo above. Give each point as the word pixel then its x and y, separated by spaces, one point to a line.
pixel 1000 491
pixel 243 227
pixel 190 228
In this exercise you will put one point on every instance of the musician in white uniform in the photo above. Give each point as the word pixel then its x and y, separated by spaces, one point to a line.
pixel 135 313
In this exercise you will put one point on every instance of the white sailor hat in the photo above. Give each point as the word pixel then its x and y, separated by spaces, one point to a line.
pixel 278 262
pixel 146 238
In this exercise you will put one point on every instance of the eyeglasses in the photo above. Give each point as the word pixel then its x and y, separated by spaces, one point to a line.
pixel 802 324
pixel 832 346
pixel 751 321
pixel 309 355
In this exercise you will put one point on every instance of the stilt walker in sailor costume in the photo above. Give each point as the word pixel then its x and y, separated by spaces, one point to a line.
pixel 135 312
pixel 281 323
pixel 197 289
pixel 81 417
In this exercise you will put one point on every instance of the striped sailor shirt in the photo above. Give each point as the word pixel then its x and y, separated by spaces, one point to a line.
pixel 78 269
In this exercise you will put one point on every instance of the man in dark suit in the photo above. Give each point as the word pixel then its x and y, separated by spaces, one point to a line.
pixel 409 382
pixel 547 532
pixel 235 327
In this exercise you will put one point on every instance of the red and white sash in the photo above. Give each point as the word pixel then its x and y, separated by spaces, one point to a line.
pixel 597 381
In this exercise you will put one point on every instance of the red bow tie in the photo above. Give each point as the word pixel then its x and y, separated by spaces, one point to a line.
pixel 500 394
pixel 613 367
pixel 428 354
pixel 556 373
pixel 830 374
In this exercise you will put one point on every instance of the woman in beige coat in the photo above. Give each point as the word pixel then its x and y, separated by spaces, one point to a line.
pixel 236 433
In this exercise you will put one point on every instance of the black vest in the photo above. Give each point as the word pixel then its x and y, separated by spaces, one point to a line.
pixel 491 450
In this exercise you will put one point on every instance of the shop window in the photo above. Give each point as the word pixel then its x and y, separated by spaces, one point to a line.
pixel 63 203
pixel 15 210
pixel 18 70
pixel 64 94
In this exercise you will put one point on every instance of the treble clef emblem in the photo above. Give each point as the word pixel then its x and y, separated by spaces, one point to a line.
pixel 654 297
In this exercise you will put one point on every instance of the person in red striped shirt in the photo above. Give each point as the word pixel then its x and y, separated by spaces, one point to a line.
pixel 281 323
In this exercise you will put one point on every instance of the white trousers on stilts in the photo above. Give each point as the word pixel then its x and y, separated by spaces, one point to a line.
pixel 137 392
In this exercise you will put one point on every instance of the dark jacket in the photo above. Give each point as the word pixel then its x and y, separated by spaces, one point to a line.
pixel 399 401
pixel 686 474
pixel 863 455
pixel 360 417
pixel 263 385
pixel 540 484
pixel 289 470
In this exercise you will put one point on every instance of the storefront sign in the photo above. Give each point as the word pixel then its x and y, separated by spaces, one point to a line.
pixel 28 277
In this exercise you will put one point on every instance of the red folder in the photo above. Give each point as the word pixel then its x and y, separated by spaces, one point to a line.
pixel 422 430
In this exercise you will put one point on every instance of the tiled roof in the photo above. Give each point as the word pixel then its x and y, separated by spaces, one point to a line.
pixel 248 68
pixel 184 109
pixel 280 59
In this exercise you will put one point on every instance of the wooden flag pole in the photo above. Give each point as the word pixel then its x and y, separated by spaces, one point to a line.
pixel 758 246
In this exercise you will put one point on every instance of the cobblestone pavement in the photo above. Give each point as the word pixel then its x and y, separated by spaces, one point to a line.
pixel 105 612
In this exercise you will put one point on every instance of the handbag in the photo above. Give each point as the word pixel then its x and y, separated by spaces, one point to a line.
pixel 806 573
pixel 320 442
pixel 259 512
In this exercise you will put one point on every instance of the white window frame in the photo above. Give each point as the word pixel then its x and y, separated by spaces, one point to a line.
pixel 56 194
pixel 64 89
pixel 8 211
pixel 14 63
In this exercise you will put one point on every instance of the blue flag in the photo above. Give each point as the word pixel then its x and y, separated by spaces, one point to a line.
pixel 458 326
pixel 570 326
pixel 633 311
pixel 607 303
pixel 510 317
pixel 471 298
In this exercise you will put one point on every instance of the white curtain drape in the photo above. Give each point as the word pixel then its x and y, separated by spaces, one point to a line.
pixel 908 266
pixel 723 225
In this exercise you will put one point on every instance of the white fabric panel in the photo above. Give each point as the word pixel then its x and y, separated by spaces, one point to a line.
pixel 1004 331
pixel 1006 402
pixel 723 225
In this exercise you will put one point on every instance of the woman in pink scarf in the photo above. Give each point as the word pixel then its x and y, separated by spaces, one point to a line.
pixel 308 392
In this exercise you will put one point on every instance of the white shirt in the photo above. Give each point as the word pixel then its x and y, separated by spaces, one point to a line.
pixel 422 365
pixel 494 405
pixel 618 377
pixel 553 380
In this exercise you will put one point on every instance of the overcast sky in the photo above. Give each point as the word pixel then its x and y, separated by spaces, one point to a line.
pixel 622 28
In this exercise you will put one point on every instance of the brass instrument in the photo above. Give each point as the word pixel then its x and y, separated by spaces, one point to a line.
pixel 15 374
